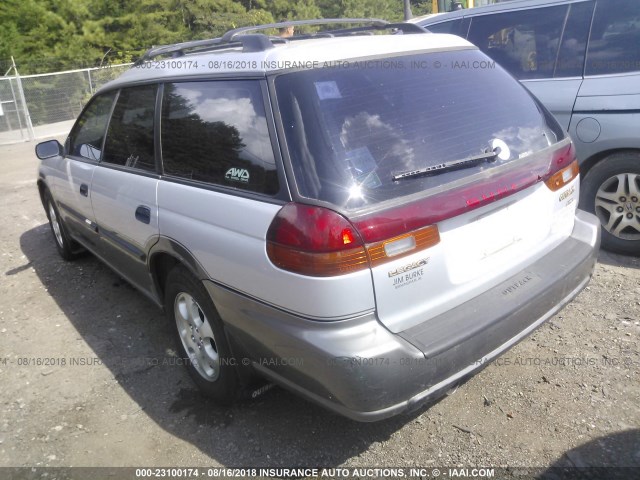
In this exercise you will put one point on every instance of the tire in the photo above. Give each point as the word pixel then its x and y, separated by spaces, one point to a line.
pixel 65 246
pixel 611 190
pixel 200 336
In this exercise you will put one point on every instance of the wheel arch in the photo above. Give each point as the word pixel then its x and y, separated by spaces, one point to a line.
pixel 625 238
pixel 164 256
pixel 596 158
pixel 42 187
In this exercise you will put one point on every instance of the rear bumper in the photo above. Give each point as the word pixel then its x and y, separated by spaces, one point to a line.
pixel 361 370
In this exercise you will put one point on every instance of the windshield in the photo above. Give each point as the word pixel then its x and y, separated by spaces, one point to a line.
pixel 351 128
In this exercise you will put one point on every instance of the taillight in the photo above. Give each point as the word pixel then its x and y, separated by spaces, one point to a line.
pixel 314 241
pixel 562 158
pixel 403 245
pixel 319 242
pixel 564 168
pixel 564 176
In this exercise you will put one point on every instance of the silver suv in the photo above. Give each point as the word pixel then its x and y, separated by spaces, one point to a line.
pixel 327 212
pixel 581 58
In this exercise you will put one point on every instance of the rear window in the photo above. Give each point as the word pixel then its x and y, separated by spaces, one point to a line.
pixel 351 128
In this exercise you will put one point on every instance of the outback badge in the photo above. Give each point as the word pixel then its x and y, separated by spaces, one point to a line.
pixel 410 266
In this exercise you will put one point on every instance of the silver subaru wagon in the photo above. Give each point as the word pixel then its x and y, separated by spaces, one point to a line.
pixel 327 212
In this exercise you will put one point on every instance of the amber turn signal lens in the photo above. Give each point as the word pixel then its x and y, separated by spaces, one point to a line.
pixel 564 176
pixel 318 264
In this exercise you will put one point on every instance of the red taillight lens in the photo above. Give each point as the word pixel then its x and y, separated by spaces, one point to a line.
pixel 314 241
pixel 562 158
pixel 564 168
pixel 312 229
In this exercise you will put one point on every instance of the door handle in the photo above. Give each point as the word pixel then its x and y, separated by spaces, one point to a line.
pixel 84 190
pixel 143 214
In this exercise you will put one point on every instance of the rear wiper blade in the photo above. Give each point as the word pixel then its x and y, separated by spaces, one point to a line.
pixel 489 156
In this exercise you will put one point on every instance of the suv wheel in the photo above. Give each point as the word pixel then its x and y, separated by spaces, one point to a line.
pixel 611 190
pixel 64 244
pixel 200 336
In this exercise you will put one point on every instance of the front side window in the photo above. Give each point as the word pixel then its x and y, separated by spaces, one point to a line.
pixel 130 136
pixel 524 42
pixel 216 132
pixel 614 46
pixel 87 135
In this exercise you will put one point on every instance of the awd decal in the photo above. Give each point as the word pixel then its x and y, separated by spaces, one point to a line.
pixel 237 175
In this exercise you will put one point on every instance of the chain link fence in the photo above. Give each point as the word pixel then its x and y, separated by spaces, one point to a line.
pixel 45 105
pixel 13 116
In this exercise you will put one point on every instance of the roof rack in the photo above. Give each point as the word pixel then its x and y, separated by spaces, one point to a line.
pixel 249 43
pixel 373 24
pixel 239 37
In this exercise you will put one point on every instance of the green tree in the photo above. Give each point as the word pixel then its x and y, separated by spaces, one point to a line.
pixel 330 8
pixel 423 7
pixel 280 9
pixel 32 30
pixel 211 18
pixel 51 35
pixel 385 9
pixel 254 4
pixel 306 9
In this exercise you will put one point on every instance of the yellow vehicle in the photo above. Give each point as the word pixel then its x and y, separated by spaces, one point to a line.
pixel 440 6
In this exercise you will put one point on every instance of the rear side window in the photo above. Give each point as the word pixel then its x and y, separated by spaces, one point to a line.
pixel 614 46
pixel 524 42
pixel 574 40
pixel 452 27
pixel 88 133
pixel 216 132
pixel 130 135
pixel 349 130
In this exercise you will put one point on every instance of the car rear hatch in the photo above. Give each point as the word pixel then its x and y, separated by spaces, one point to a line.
pixel 449 175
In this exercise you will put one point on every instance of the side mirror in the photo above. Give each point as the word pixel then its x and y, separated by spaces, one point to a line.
pixel 49 149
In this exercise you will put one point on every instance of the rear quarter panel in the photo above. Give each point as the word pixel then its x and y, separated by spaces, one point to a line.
pixel 227 235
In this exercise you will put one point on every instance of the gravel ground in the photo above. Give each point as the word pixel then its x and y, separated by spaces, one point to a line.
pixel 568 395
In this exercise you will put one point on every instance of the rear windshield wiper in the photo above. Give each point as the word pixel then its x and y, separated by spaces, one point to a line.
pixel 489 156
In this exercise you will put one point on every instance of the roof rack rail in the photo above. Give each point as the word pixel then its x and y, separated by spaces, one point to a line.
pixel 239 37
pixel 250 43
pixel 374 24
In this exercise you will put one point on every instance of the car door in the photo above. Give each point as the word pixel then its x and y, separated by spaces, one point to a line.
pixel 606 112
pixel 75 171
pixel 542 47
pixel 123 190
